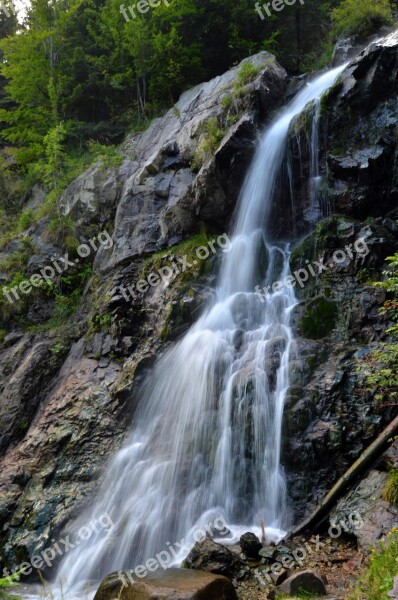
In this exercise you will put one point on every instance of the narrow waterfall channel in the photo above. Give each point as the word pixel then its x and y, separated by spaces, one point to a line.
pixel 206 439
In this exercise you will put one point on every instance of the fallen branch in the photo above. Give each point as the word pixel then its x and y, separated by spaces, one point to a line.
pixel 358 468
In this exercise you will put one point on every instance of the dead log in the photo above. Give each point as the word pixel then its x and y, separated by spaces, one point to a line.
pixel 367 457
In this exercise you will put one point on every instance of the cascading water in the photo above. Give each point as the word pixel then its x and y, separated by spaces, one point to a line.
pixel 206 439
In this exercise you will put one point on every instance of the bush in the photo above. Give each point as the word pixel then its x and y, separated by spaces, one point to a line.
pixel 361 18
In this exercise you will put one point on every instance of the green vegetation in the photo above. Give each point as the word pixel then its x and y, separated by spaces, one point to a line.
pixel 212 138
pixel 390 492
pixel 383 567
pixel 361 18
pixel 382 364
pixel 5 585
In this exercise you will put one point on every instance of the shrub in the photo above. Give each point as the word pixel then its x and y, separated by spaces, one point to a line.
pixel 361 18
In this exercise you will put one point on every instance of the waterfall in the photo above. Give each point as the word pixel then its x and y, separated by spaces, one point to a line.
pixel 316 209
pixel 206 439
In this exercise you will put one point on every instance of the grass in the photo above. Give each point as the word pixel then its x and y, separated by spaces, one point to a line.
pixel 5 584
pixel 390 492
pixel 383 567
pixel 208 145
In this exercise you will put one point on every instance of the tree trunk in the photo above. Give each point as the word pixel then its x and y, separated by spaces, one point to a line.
pixel 364 461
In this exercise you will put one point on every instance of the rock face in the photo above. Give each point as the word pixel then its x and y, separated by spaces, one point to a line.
pixel 68 393
pixel 331 417
pixel 173 584
pixel 163 198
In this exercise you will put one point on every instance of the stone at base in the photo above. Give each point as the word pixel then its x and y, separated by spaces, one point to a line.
pixel 307 581
pixel 173 584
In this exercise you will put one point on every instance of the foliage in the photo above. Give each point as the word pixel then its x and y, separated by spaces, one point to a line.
pixel 5 584
pixel 383 376
pixel 247 73
pixel 390 492
pixel 109 155
pixel 78 71
pixel 383 567
pixel 361 18
pixel 209 143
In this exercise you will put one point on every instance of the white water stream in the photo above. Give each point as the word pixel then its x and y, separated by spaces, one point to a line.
pixel 206 439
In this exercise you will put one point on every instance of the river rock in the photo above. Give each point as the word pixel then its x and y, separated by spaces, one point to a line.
pixel 212 557
pixel 250 545
pixel 173 584
pixel 307 581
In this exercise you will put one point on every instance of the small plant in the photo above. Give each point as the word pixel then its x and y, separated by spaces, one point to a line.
pixel 247 73
pixel 226 102
pixel 26 219
pixel 8 582
pixel 390 492
pixel 58 348
pixel 213 136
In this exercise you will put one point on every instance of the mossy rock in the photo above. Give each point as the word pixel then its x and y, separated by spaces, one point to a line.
pixel 319 318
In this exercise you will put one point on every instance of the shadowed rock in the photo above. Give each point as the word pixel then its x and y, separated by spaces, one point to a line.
pixel 173 584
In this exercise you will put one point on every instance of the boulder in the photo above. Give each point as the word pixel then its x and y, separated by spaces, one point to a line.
pixel 250 545
pixel 173 584
pixel 307 581
pixel 215 558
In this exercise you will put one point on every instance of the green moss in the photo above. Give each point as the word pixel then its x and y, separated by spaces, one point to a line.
pixel 319 319
pixel 186 248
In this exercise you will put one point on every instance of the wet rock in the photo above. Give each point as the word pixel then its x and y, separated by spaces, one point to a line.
pixel 268 552
pixel 172 584
pixel 250 545
pixel 215 558
pixel 307 581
